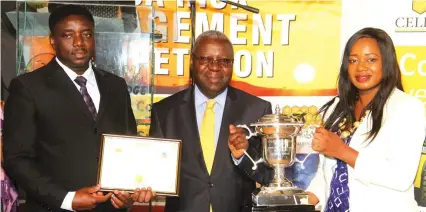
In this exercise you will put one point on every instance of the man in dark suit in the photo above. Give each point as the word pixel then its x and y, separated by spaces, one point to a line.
pixel 209 180
pixel 54 118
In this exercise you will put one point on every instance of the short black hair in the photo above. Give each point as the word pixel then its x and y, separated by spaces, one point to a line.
pixel 63 11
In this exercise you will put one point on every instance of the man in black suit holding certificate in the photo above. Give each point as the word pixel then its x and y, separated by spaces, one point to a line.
pixel 54 119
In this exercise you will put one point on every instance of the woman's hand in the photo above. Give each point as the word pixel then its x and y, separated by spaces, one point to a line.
pixel 332 145
pixel 327 143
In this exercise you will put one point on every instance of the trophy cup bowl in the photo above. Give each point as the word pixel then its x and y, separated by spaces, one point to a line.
pixel 279 152
pixel 278 134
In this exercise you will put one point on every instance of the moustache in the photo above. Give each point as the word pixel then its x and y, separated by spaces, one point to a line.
pixel 78 51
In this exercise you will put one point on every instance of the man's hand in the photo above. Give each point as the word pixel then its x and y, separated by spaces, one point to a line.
pixel 121 199
pixel 237 141
pixel 143 195
pixel 87 198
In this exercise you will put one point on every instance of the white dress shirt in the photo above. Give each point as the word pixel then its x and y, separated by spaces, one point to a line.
pixel 91 85
pixel 92 89
pixel 384 172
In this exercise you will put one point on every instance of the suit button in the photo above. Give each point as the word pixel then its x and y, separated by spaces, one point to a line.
pixel 211 185
pixel 95 130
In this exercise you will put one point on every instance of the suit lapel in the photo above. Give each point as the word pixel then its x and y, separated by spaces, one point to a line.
pixel 104 90
pixel 187 109
pixel 230 114
pixel 57 77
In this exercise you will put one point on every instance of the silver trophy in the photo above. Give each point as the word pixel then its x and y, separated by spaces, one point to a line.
pixel 278 133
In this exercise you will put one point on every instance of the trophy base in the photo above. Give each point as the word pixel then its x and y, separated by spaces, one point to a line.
pixel 284 196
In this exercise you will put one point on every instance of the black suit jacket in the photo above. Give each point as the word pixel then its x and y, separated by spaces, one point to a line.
pixel 51 142
pixel 227 187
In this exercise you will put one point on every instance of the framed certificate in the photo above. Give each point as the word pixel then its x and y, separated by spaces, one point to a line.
pixel 130 162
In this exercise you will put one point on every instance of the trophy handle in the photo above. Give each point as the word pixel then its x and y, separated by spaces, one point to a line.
pixel 254 162
pixel 313 126
pixel 248 129
pixel 247 137
pixel 302 161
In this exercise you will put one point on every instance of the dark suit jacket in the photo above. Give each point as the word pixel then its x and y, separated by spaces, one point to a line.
pixel 51 142
pixel 226 188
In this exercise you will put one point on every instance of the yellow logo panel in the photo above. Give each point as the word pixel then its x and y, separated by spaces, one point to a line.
pixel 419 6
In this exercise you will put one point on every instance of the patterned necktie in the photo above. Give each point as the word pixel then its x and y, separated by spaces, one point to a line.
pixel 81 81
pixel 207 134
pixel 339 196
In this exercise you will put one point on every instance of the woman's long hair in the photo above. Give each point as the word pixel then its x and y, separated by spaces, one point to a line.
pixel 348 93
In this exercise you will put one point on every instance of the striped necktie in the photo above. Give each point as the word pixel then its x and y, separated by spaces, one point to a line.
pixel 81 81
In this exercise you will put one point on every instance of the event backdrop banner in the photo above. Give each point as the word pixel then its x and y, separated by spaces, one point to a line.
pixel 288 49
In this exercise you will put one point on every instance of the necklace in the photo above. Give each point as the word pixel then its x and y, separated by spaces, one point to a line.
pixel 344 132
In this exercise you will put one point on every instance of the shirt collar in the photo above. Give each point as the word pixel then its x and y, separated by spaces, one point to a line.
pixel 200 99
pixel 88 74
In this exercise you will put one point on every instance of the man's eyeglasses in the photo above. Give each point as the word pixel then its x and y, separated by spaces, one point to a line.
pixel 223 62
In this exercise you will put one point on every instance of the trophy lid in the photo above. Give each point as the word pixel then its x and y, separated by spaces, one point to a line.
pixel 280 119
